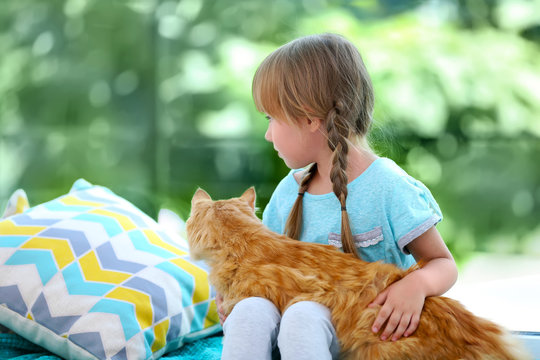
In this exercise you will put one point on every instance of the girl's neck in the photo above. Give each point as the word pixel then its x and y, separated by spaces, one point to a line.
pixel 359 160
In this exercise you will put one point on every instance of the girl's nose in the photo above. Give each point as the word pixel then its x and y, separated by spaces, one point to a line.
pixel 268 134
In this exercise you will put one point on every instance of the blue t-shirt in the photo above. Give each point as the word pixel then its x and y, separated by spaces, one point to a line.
pixel 387 209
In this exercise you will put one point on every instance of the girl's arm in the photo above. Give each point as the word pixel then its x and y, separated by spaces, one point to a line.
pixel 402 302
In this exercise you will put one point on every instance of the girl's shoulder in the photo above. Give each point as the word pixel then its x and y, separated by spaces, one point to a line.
pixel 381 170
pixel 396 185
pixel 385 174
pixel 395 175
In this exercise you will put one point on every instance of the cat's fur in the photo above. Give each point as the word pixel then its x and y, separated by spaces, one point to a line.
pixel 247 259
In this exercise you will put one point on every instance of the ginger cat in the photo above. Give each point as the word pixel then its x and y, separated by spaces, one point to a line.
pixel 247 259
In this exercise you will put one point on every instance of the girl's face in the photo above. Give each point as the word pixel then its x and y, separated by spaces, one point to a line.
pixel 298 146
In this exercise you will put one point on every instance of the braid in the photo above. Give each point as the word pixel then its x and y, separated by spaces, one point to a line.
pixel 338 133
pixel 293 226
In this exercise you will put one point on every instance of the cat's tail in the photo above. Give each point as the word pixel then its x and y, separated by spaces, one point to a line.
pixel 516 348
pixel 446 331
pixel 478 338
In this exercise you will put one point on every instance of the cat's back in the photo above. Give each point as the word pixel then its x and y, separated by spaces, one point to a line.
pixel 296 253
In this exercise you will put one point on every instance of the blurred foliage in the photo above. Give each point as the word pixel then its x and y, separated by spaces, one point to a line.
pixel 152 98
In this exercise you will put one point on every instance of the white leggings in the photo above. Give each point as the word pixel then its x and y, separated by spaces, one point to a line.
pixel 254 330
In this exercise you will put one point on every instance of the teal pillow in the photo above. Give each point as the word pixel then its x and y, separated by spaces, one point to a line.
pixel 88 275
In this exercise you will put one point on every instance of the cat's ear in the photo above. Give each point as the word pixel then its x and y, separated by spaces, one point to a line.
pixel 249 196
pixel 200 194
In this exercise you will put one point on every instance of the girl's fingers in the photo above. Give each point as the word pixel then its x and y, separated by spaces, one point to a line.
pixel 403 326
pixel 384 312
pixel 413 325
pixel 391 326
pixel 380 299
pixel 382 316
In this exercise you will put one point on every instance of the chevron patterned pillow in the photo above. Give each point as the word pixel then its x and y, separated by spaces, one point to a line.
pixel 90 276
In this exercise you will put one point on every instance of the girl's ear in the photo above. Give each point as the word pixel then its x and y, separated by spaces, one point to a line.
pixel 199 195
pixel 249 196
pixel 314 124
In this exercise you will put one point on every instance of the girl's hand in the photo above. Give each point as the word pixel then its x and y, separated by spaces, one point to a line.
pixel 219 302
pixel 403 301
pixel 402 304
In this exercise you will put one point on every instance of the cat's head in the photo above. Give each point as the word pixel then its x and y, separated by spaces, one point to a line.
pixel 212 224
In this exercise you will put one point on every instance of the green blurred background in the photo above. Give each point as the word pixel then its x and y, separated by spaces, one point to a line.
pixel 152 98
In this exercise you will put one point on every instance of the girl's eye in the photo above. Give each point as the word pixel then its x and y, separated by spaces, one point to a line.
pixel 268 117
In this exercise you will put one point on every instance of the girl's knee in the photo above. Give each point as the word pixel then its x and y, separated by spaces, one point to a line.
pixel 306 318
pixel 251 330
pixel 306 312
pixel 254 309
pixel 253 305
pixel 306 332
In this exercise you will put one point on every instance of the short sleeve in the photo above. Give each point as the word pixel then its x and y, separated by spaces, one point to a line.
pixel 413 210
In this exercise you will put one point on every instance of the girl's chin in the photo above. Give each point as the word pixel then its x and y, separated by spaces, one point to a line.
pixel 289 165
pixel 294 166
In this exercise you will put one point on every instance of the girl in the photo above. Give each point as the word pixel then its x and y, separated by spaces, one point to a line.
pixel 318 99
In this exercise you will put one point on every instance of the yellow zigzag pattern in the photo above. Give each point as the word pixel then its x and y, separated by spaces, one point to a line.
pixel 8 227
pixel 93 272
pixel 72 200
pixel 154 239
pixel 160 335
pixel 22 204
pixel 60 249
pixel 141 301
pixel 124 221
pixel 199 276
pixel 212 317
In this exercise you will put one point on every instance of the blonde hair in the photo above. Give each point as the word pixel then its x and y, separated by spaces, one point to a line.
pixel 319 76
